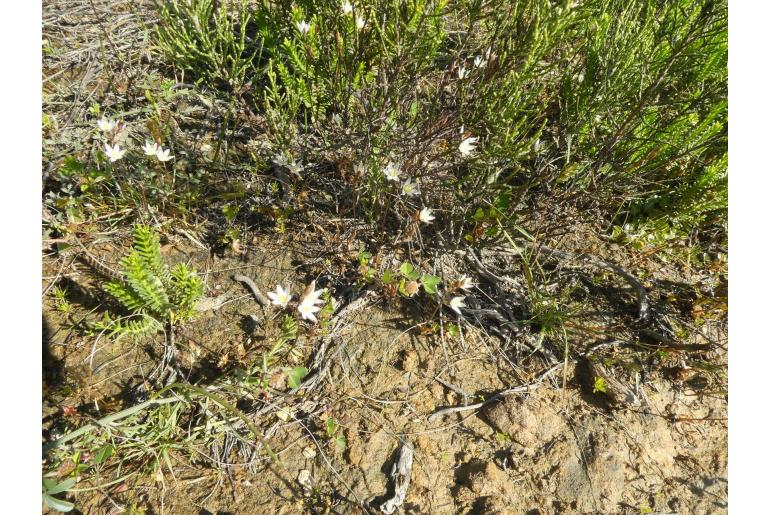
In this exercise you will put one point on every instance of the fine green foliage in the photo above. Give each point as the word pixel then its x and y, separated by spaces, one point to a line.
pixel 152 292
pixel 645 108
pixel 621 106
pixel 204 38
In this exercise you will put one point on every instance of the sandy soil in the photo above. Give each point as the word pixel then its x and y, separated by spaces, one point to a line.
pixel 559 449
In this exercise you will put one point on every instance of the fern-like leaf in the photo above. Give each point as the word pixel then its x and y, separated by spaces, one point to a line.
pixel 147 246
pixel 125 295
pixel 119 327
pixel 145 284
pixel 186 288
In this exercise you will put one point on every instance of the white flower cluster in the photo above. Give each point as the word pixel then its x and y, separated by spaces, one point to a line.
pixel 480 61
pixel 310 302
pixel 347 10
pixel 151 148
pixel 113 150
pixel 392 172
pixel 468 145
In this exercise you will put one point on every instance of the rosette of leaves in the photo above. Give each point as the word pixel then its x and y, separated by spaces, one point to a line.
pixel 155 294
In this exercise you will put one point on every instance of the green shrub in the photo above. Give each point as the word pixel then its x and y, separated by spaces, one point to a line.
pixel 620 106
pixel 207 39
pixel 155 294
pixel 645 106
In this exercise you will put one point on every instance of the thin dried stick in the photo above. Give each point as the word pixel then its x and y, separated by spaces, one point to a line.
pixel 258 296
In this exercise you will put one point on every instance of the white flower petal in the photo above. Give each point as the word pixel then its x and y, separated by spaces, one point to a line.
pixel 426 215
pixel 456 303
pixel 150 148
pixel 106 124
pixel 280 297
pixel 164 155
pixel 303 27
pixel 468 145
pixel 479 62
pixel 465 282
pixel 308 310
pixel 113 152
pixel 410 188
pixel 392 171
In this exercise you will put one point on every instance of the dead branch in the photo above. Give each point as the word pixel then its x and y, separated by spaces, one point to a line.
pixel 401 476
pixel 258 296
pixel 531 387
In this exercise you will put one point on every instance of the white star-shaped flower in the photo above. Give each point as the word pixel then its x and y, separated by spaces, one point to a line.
pixel 360 22
pixel 164 155
pixel 310 294
pixel 426 215
pixel 465 282
pixel 308 311
pixel 296 167
pixel 479 62
pixel 303 27
pixel 308 302
pixel 410 188
pixel 280 297
pixel 347 7
pixel 150 148
pixel 468 145
pixel 392 171
pixel 462 72
pixel 456 303
pixel 106 124
pixel 113 152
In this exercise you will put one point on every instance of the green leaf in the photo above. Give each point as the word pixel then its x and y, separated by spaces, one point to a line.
pixel 230 211
pixel 503 201
pixel 71 167
pixel 388 276
pixel 104 453
pixel 453 330
pixel 430 282
pixel 364 257
pixel 408 271
pixel 331 427
pixel 600 385
pixel 288 328
pixel 296 375
pixel 57 504
pixel 61 487
pixel 341 441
